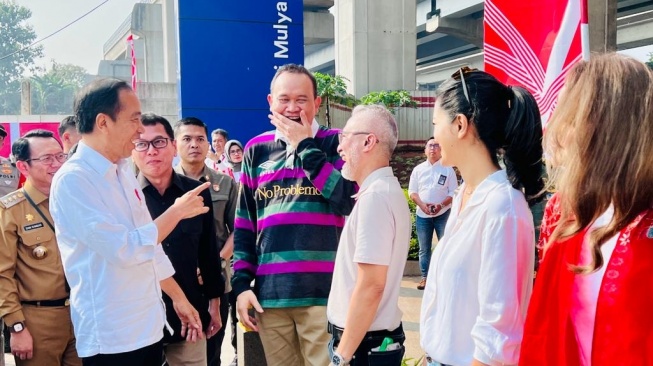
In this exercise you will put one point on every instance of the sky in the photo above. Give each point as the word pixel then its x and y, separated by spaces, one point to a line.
pixel 81 43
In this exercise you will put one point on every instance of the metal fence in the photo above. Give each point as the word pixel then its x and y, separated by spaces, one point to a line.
pixel 414 123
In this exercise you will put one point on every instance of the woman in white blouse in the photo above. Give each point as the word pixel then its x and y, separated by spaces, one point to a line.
pixel 481 272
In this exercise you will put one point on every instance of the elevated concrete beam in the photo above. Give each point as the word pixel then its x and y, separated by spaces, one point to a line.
pixel 467 29
pixel 635 30
pixel 318 4
pixel 317 59
pixel 318 27
pixel 442 71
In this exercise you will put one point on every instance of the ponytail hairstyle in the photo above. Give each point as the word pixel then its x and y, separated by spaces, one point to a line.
pixel 600 138
pixel 507 121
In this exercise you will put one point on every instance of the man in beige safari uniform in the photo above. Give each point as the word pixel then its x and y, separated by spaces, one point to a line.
pixel 33 291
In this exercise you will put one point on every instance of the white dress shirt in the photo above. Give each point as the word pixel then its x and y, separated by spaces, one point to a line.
pixel 222 165
pixel 433 183
pixel 109 249
pixel 480 278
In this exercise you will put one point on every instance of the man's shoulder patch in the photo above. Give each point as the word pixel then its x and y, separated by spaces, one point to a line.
pixel 12 199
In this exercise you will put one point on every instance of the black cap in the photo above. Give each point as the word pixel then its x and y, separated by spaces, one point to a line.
pixel 3 132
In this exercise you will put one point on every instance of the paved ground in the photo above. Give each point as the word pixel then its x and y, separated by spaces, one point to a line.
pixel 410 302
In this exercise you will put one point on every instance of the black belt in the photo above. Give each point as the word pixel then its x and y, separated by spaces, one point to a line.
pixel 336 332
pixel 48 303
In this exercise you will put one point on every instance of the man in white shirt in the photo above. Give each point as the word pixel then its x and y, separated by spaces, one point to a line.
pixel 217 159
pixel 431 187
pixel 363 311
pixel 68 133
pixel 109 244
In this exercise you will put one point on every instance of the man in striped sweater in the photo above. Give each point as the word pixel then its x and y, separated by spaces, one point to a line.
pixel 289 219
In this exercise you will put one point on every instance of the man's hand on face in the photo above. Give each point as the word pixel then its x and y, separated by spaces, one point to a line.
pixel 295 132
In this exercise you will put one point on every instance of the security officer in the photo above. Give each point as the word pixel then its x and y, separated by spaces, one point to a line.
pixel 33 291
pixel 192 146
pixel 8 173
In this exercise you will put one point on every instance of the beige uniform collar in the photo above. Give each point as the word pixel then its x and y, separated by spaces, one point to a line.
pixel 36 195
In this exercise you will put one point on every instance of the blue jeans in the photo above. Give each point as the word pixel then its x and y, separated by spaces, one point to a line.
pixel 425 227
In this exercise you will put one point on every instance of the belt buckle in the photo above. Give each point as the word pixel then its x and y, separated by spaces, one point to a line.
pixel 67 302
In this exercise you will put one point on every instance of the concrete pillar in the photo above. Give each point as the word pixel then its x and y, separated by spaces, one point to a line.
pixel 147 25
pixel 25 98
pixel 169 41
pixel 602 16
pixel 376 44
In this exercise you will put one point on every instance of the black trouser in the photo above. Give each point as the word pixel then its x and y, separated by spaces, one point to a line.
pixel 364 356
pixel 151 355
pixel 234 321
pixel 214 344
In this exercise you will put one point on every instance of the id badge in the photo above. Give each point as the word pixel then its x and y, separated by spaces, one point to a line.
pixel 442 179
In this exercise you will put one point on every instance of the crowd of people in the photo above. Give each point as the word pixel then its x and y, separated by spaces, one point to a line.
pixel 133 240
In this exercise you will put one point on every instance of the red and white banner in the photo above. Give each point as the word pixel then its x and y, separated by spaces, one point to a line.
pixel 130 42
pixel 534 44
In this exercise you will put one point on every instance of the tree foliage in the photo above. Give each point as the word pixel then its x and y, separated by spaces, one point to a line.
pixel 16 55
pixel 650 60
pixel 391 99
pixel 333 89
pixel 330 86
pixel 53 90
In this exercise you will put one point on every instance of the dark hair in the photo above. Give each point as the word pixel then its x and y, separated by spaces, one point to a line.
pixel 191 121
pixel 151 119
pixel 295 69
pixel 508 123
pixel 221 132
pixel 99 96
pixel 20 147
pixel 428 140
pixel 66 123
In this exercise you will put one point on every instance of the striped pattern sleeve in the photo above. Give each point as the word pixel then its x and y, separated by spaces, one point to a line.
pixel 322 165
pixel 245 228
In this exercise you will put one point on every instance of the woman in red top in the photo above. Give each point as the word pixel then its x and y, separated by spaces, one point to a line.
pixel 593 297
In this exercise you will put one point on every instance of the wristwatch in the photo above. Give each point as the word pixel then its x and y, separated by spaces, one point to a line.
pixel 17 327
pixel 338 360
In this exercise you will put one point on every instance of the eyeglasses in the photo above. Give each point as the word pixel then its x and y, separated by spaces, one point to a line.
pixel 433 146
pixel 236 152
pixel 461 74
pixel 142 145
pixel 342 134
pixel 50 158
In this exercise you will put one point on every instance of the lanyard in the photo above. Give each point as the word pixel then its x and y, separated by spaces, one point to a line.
pixel 36 207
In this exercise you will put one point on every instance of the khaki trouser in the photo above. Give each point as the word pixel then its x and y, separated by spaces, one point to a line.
pixel 295 336
pixel 186 353
pixel 52 332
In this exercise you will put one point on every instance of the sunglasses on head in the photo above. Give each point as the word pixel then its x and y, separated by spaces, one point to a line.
pixel 460 74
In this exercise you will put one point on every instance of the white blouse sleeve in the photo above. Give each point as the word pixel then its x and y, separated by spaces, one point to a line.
pixel 505 280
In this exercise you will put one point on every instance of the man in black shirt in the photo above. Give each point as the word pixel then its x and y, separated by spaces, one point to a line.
pixel 191 245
